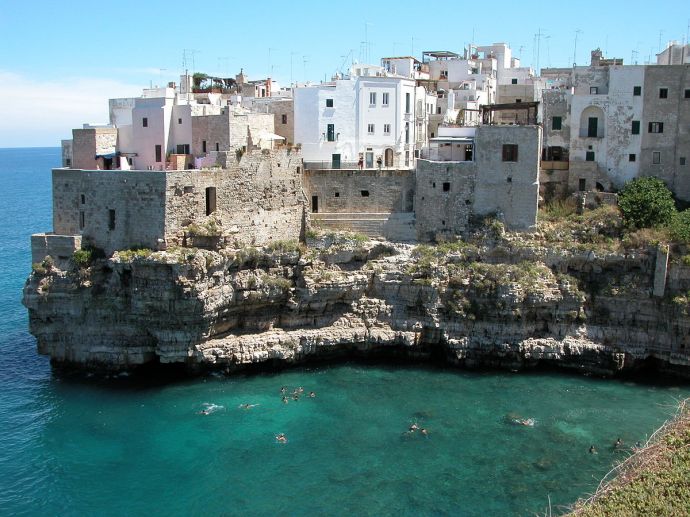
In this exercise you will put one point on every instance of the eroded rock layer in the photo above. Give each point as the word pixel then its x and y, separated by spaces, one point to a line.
pixel 507 306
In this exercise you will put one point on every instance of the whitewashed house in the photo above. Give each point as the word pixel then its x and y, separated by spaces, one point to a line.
pixel 371 114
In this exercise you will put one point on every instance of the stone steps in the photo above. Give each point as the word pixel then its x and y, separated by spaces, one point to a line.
pixel 398 226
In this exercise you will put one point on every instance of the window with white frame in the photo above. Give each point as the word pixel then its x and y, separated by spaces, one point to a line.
pixel 370 129
pixel 384 99
pixel 372 98
pixel 386 129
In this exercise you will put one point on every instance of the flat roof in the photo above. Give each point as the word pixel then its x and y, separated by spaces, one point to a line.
pixel 402 57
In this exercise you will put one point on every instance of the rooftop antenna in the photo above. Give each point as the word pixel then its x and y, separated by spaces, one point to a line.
pixel 270 68
pixel 291 55
pixel 305 60
pixel 537 39
pixel 192 52
pixel 413 46
pixel 548 52
pixel 661 32
pixel 577 32
pixel 633 56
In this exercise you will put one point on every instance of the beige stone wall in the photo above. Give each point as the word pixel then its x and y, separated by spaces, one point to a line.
pixel 341 191
pixel 257 201
pixel 228 131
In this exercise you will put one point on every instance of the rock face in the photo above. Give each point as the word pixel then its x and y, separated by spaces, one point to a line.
pixel 505 307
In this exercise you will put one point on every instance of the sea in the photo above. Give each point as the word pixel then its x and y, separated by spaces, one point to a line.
pixel 127 446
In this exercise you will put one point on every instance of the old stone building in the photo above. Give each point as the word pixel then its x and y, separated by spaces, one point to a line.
pixel 254 201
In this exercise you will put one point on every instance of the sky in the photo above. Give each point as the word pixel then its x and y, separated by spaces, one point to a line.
pixel 60 62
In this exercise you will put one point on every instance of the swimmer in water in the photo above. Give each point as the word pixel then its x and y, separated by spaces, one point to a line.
pixel 300 390
pixel 592 450
pixel 281 438
pixel 312 394
pixel 424 432
pixel 618 444
pixel 247 406
pixel 295 397
pixel 414 427
pixel 202 412
pixel 283 390
pixel 285 400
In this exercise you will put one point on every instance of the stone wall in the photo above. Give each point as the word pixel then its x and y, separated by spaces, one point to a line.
pixel 257 200
pixel 228 131
pixel 366 191
pixel 445 191
pixel 83 201
pixel 508 187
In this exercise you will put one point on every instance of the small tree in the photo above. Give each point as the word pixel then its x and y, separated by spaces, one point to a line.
pixel 646 202
pixel 680 227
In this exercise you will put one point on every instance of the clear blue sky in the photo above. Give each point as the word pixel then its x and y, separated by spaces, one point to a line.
pixel 61 61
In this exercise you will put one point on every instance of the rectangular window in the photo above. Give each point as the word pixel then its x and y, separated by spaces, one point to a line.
pixel 663 93
pixel 637 91
pixel 386 129
pixel 556 123
pixel 111 219
pixel 446 187
pixel 656 157
pixel 407 103
pixel 159 153
pixel 370 129
pixel 513 81
pixel 365 193
pixel 592 127
pixel 582 184
pixel 372 98
pixel 283 119
pixel 635 129
pixel 632 157
pixel 145 122
pixel 203 146
pixel 656 127
pixel 329 103
pixel 589 156
pixel 687 94
pixel 682 160
pixel 179 121
pixel 593 90
pixel 444 74
pixel 510 152
pixel 83 199
pixel 330 132
pixel 81 220
pixel 217 146
pixel 384 99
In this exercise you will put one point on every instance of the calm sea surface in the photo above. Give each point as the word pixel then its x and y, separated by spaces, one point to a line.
pixel 119 447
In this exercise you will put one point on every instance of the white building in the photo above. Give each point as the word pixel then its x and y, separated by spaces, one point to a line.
pixel 370 115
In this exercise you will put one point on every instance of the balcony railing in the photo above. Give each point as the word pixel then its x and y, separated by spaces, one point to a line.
pixel 446 154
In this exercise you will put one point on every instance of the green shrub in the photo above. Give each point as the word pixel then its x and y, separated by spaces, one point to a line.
pixel 646 202
pixel 277 281
pixel 45 266
pixel 208 228
pixel 285 246
pixel 82 258
pixel 680 227
pixel 133 254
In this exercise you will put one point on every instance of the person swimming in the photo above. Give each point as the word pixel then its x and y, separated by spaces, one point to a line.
pixel 424 431
pixel 247 406
pixel 414 427
pixel 592 450
pixel 312 394
pixel 285 400
pixel 618 444
pixel 281 438
pixel 283 390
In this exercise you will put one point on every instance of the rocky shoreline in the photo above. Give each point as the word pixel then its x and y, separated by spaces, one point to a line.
pixel 495 302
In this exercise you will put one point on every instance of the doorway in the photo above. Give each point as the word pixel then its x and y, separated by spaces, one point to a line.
pixel 315 204
pixel 388 157
pixel 335 161
pixel 210 200
pixel 369 163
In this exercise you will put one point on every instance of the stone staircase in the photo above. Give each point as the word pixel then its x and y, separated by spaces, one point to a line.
pixel 391 226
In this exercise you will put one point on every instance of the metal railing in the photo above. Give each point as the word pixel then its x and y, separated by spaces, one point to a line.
pixel 446 154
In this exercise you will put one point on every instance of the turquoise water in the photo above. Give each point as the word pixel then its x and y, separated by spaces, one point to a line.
pixel 120 447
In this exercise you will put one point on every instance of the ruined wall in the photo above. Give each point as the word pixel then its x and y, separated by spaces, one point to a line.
pixel 228 131
pixel 367 191
pixel 508 187
pixel 66 146
pixel 257 201
pixel 135 197
pixel 444 198
pixel 674 112
pixel 280 109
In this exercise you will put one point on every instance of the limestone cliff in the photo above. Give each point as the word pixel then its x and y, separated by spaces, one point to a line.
pixel 499 304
